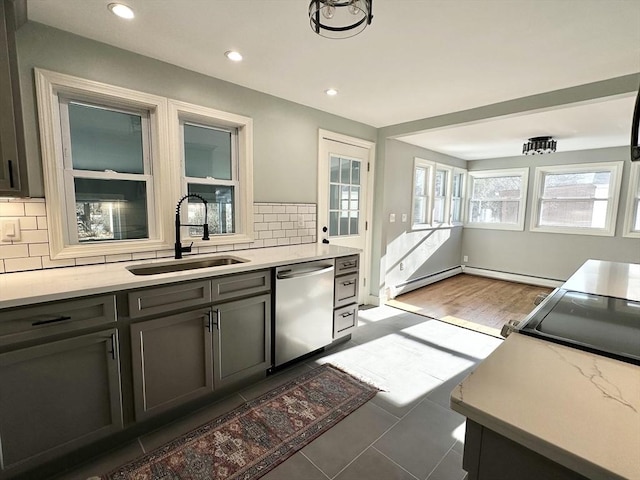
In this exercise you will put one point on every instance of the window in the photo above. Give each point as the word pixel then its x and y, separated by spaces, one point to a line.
pixel 497 199
pixel 441 192
pixel 457 196
pixel 578 199
pixel 216 165
pixel 632 223
pixel 422 185
pixel 116 162
pixel 101 154
pixel 344 196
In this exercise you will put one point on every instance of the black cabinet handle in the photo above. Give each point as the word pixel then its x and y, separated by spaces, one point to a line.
pixel 10 165
pixel 345 315
pixel 346 284
pixel 50 320
pixel 113 346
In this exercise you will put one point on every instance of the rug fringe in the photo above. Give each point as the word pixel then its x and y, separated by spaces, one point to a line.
pixel 362 378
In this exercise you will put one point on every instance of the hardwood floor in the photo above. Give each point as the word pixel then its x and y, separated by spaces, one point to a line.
pixel 479 303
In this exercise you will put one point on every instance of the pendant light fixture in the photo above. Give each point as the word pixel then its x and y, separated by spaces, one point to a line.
pixel 539 145
pixel 339 18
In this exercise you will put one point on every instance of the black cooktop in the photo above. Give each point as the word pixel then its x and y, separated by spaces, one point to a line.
pixel 604 325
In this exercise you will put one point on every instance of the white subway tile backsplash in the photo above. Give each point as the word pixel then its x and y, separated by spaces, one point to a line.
pixel 35 209
pixel 22 264
pixel 274 224
pixel 11 209
pixel 14 251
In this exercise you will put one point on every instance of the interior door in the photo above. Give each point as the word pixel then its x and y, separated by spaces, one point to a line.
pixel 344 200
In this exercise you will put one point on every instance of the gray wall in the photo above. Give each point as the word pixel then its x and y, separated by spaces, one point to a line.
pixel 549 255
pixel 422 252
pixel 285 133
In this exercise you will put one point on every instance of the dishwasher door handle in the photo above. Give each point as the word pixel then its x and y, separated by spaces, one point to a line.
pixel 285 274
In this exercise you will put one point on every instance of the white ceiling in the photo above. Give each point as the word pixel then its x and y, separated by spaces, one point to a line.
pixel 418 59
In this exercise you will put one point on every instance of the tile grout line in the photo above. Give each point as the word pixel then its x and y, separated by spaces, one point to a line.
pixel 441 460
pixel 144 450
pixel 312 463
pixel 394 462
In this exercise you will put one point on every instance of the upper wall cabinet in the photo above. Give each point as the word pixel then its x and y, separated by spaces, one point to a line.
pixel 13 172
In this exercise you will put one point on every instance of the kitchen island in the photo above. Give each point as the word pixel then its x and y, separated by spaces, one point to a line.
pixel 547 410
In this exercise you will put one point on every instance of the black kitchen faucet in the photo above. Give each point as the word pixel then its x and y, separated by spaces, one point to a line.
pixel 179 249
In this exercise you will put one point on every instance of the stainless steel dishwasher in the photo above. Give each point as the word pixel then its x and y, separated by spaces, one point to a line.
pixel 304 309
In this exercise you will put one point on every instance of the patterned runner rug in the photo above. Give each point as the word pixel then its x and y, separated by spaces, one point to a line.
pixel 257 436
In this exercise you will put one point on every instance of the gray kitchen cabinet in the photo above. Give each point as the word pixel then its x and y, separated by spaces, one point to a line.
pixel 242 339
pixel 171 361
pixel 13 178
pixel 57 397
pixel 345 300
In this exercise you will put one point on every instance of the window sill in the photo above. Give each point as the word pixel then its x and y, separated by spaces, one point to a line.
pixel 598 232
pixel 495 226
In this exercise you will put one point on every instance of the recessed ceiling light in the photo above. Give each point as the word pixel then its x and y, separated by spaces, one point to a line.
pixel 121 10
pixel 233 56
pixel 331 92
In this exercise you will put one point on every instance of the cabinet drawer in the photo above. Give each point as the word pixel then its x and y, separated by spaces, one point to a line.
pixel 240 285
pixel 346 290
pixel 164 299
pixel 29 323
pixel 347 264
pixel 344 320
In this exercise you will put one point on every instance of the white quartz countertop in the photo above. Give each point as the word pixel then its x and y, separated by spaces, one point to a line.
pixel 38 286
pixel 579 409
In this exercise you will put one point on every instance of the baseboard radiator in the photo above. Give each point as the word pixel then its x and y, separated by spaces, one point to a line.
pixel 423 281
pixel 513 277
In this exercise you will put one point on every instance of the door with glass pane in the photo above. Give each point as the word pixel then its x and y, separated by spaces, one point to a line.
pixel 343 182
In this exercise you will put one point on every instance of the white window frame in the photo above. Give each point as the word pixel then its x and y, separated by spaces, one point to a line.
pixel 430 168
pixel 615 168
pixel 463 173
pixel 633 201
pixel 242 166
pixel 523 173
pixel 51 87
pixel 446 199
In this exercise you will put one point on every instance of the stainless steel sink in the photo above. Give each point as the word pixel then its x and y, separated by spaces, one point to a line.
pixel 182 265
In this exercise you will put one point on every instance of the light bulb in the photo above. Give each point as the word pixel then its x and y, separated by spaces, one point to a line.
pixel 329 10
pixel 353 7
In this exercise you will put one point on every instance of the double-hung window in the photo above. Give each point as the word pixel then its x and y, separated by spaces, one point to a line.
pixel 497 199
pixel 107 172
pixel 217 166
pixel 103 167
pixel 441 193
pixel 457 196
pixel 578 199
pixel 422 192
pixel 632 221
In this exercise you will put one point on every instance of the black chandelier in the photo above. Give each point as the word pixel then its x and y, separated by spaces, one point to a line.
pixel 539 145
pixel 339 18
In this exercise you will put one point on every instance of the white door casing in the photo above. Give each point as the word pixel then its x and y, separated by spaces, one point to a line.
pixel 345 197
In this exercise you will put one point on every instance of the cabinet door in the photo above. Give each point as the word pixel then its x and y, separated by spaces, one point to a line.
pixel 242 339
pixel 57 397
pixel 172 361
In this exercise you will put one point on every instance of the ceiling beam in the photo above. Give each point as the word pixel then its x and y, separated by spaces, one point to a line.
pixel 544 101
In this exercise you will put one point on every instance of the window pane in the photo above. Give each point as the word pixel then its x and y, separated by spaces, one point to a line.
pixel 438 210
pixel 355 172
pixel 577 185
pixel 335 170
pixel 354 203
pixel 334 197
pixel 345 170
pixel 333 223
pixel 344 223
pixel 456 211
pixel 353 223
pixel 104 139
pixel 440 188
pixel 207 152
pixel 457 185
pixel 495 211
pixel 636 223
pixel 220 209
pixel 574 213
pixel 344 197
pixel 419 209
pixel 496 187
pixel 111 209
pixel 420 181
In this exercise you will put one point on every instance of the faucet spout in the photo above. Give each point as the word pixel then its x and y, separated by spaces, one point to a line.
pixel 178 248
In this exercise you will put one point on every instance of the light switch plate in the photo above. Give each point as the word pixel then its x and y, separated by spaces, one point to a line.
pixel 404 218
pixel 10 228
pixel 392 217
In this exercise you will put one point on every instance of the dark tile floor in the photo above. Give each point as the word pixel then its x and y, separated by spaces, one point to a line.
pixel 406 432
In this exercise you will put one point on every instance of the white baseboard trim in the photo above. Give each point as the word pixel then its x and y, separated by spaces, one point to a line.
pixel 514 277
pixel 423 281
